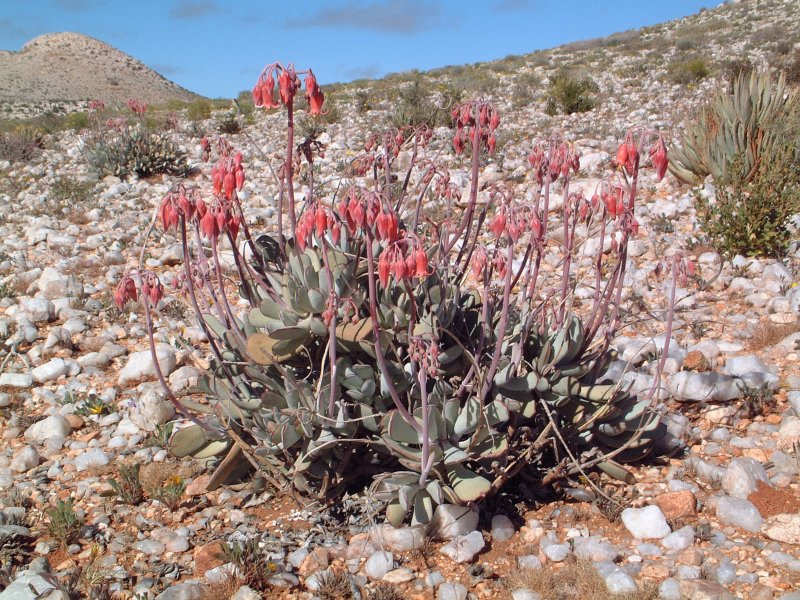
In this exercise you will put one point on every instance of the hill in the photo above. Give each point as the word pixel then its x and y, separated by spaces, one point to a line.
pixel 69 68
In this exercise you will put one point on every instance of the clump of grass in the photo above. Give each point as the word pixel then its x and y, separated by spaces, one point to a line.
pixel 159 438
pixel 21 144
pixel 385 591
pixel 688 71
pixel 222 588
pixel 64 524
pixel 251 563
pixel 767 333
pixel 169 493
pixel 757 401
pixel 577 580
pixel 128 488
pixel 334 585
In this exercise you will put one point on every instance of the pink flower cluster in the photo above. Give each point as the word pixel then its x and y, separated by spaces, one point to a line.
pixel 317 219
pixel 628 155
pixel 563 159
pixel 402 260
pixel 126 290
pixel 468 126
pixel 288 86
pixel 137 106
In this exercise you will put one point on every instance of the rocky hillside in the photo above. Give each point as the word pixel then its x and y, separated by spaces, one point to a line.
pixel 70 67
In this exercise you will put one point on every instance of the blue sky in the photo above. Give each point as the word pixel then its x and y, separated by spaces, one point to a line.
pixel 217 48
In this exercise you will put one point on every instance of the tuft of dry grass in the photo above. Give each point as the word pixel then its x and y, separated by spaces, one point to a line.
pixel 768 333
pixel 222 588
pixel 385 591
pixel 576 580
pixel 334 585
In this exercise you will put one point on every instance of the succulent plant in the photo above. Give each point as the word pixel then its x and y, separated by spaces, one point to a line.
pixel 734 130
pixel 379 346
pixel 135 150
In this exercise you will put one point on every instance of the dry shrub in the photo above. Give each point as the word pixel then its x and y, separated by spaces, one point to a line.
pixel 577 580
pixel 768 333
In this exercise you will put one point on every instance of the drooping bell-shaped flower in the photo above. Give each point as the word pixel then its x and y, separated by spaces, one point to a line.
pixel 126 291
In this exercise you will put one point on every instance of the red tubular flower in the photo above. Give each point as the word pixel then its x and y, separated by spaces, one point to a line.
pixel 383 269
pixel 126 291
pixel 500 264
pixel 152 288
pixel 239 179
pixel 359 214
pixel 314 94
pixel 380 221
pixel 658 155
pixel 498 224
pixel 421 260
pixel 622 155
pixel 208 225
pixel 228 185
pixel 258 100
pixel 478 262
pixel 233 227
pixel 168 212
pixel 458 144
pixel 287 86
pixel 321 222
pixel 216 179
pixel 411 265
pixel 186 205
pixel 536 226
pixel 399 268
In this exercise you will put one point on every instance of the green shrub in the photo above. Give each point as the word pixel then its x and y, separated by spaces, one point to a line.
pixel 568 94
pixel 688 71
pixel 76 120
pixel 229 124
pixel 751 217
pixel 364 101
pixel 523 92
pixel 135 150
pixel 734 68
pixel 792 69
pixel 422 104
pixel 244 103
pixel 199 110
